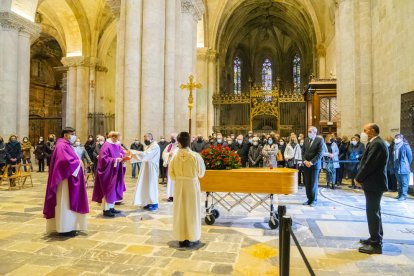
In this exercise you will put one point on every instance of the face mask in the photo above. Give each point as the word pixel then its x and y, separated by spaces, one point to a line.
pixel 270 142
pixel 240 142
pixel 77 144
pixel 232 137
pixel 354 143
pixel 311 135
pixel 219 141
pixel 101 143
pixel 281 143
pixel 162 140
pixel 364 137
pixel 90 139
pixel 229 142
pixel 250 134
pixel 199 139
pixel 397 140
pixel 41 140
pixel 25 140
pixel 136 142
pixel 255 143
pixel 149 142
pixel 250 140
pixel 72 139
pixel 301 143
pixel 13 140
pixel 51 139
pixel 172 141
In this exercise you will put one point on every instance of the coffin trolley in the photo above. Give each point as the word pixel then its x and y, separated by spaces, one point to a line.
pixel 248 188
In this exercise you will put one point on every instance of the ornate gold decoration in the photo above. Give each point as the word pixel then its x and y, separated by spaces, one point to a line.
pixel 231 99
pixel 190 86
pixel 228 128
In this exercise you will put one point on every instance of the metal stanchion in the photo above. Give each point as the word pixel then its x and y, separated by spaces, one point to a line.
pixel 286 223
pixel 281 211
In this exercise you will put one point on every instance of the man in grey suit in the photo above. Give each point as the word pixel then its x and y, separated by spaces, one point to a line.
pixel 372 176
pixel 312 152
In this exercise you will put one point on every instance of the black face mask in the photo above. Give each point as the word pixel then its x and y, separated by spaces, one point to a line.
pixel 172 140
pixel 51 139
pixel 200 140
pixel 147 142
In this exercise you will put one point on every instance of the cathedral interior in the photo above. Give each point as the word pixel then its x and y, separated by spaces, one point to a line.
pixel 264 65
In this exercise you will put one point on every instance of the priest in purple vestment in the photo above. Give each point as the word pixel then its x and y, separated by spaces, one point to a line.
pixel 109 180
pixel 66 201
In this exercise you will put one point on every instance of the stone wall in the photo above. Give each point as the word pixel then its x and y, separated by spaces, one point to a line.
pixel 392 58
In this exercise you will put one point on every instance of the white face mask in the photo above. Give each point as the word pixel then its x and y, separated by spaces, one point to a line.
pixel 311 135
pixel 270 141
pixel 354 143
pixel 230 142
pixel 101 143
pixel 397 140
pixel 281 143
pixel 250 140
pixel 255 143
pixel 364 137
pixel 77 143
pixel 219 140
pixel 72 139
pixel 240 142
pixel 301 143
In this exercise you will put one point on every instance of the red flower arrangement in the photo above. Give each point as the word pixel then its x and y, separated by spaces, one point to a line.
pixel 220 158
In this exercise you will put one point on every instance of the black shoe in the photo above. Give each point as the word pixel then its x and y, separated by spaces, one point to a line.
pixel 170 199
pixel 365 242
pixel 352 186
pixel 370 249
pixel 69 234
pixel 146 207
pixel 118 203
pixel 108 213
pixel 113 211
pixel 193 244
pixel 182 244
pixel 306 203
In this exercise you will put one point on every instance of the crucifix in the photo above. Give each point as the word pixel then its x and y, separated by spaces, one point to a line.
pixel 190 86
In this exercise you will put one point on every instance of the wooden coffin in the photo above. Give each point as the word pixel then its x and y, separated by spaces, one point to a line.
pixel 251 180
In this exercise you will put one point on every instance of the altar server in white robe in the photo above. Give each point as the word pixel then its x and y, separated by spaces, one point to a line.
pixel 167 155
pixel 185 169
pixel 146 193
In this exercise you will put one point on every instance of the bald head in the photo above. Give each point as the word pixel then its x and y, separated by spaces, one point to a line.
pixel 372 130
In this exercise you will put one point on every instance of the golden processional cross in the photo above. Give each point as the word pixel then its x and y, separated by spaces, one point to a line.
pixel 190 86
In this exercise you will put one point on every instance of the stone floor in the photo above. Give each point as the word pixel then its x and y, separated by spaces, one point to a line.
pixel 239 243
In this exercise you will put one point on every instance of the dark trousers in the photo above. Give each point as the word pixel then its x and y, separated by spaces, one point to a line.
pixel 392 181
pixel 373 208
pixel 41 165
pixel 162 169
pixel 311 181
pixel 300 174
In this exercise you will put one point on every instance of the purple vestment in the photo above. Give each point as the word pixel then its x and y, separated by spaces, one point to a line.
pixel 63 164
pixel 109 179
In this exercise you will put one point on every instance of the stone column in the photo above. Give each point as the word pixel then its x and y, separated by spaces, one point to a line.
pixel 169 76
pixel 346 75
pixel 15 35
pixel 92 85
pixel 321 53
pixel 152 88
pixel 365 51
pixel 191 12
pixel 100 73
pixel 212 89
pixel 202 93
pixel 82 100
pixel 120 67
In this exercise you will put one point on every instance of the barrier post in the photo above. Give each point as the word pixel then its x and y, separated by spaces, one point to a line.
pixel 285 253
pixel 281 211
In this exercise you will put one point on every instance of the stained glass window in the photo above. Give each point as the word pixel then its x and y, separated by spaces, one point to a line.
pixel 267 75
pixel 296 72
pixel 237 76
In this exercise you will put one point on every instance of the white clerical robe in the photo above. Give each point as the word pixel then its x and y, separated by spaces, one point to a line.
pixel 167 158
pixel 185 169
pixel 147 186
pixel 65 219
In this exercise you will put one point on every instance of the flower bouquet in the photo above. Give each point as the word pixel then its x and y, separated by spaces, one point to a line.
pixel 220 158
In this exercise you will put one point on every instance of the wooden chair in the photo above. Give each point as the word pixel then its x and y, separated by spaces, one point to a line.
pixel 25 172
pixel 3 175
pixel 14 178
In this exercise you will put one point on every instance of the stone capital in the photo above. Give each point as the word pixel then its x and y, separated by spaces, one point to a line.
pixel 212 55
pixel 194 7
pixel 115 6
pixel 202 53
pixel 10 20
pixel 320 50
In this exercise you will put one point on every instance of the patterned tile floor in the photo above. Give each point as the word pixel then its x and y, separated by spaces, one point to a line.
pixel 141 243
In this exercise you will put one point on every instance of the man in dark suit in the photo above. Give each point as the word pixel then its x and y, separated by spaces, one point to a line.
pixel 312 151
pixel 372 176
